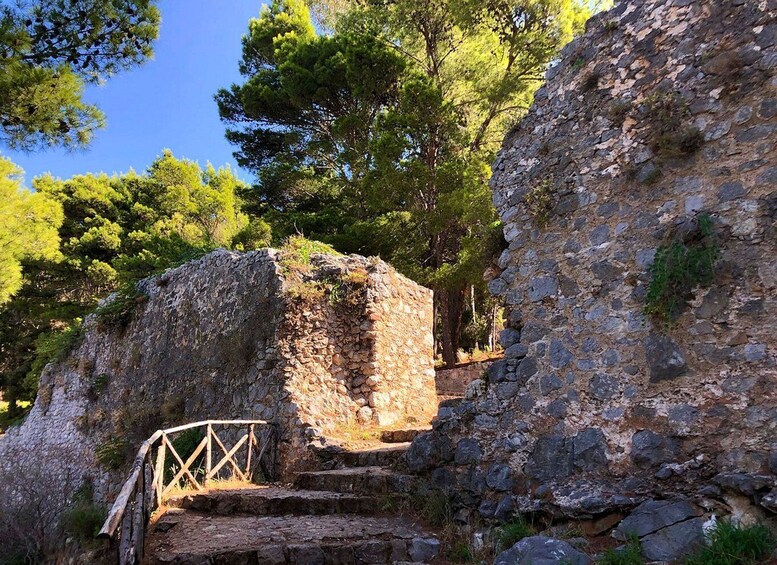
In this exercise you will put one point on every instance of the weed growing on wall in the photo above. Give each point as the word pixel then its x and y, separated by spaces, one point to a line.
pixel 540 201
pixel 684 262
pixel 119 312
pixel 670 137
pixel 112 453
pixel 295 254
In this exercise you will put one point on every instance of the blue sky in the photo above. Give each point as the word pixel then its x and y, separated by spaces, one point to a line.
pixel 167 102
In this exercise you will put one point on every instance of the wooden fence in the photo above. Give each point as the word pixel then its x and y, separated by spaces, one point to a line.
pixel 147 485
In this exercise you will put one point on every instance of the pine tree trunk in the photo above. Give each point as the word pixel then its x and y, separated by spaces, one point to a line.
pixel 451 303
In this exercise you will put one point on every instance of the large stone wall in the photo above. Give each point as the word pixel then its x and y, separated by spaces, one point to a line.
pixel 597 406
pixel 231 336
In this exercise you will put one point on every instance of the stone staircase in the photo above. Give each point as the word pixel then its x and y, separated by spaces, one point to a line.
pixel 337 515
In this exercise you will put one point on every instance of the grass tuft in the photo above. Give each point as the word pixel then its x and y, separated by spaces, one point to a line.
pixel 732 544
pixel 630 554
pixel 509 534
pixel 435 506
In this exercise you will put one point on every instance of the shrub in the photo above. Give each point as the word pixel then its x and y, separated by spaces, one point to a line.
pixel 590 82
pixel 540 201
pixel 733 544
pixel 511 533
pixel 83 518
pixel 461 553
pixel 52 347
pixel 98 385
pixel 112 453
pixel 630 554
pixel 670 137
pixel 618 111
pixel 686 261
pixel 610 25
pixel 34 498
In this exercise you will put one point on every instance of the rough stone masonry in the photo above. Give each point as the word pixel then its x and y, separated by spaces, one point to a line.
pixel 664 112
pixel 231 336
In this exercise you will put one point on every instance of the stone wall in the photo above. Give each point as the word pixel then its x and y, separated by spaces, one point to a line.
pixel 230 336
pixel 454 382
pixel 662 114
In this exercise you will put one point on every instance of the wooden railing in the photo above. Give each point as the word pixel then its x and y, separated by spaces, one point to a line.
pixel 147 485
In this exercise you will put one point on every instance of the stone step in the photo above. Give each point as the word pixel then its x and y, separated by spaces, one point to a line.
pixel 183 537
pixel 384 455
pixel 356 480
pixel 402 436
pixel 275 500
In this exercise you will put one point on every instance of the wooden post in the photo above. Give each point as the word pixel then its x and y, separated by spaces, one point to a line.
pixel 125 540
pixel 208 454
pixel 138 528
pixel 250 450
pixel 149 490
pixel 161 453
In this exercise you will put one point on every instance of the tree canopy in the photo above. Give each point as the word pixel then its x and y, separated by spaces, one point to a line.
pixel 112 231
pixel 50 49
pixel 377 137
pixel 29 224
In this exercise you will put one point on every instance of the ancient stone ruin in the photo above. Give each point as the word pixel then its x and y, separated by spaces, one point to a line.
pixel 345 341
pixel 654 136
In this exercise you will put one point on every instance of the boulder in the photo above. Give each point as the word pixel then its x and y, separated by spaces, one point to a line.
pixel 541 550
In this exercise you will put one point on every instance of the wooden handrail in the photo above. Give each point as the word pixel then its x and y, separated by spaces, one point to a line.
pixel 145 486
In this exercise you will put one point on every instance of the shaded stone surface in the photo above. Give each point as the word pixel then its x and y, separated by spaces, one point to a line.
pixel 541 550
pixel 661 392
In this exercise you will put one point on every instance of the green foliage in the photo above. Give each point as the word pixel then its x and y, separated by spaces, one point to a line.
pixel 510 533
pixel 296 252
pixel 83 519
pixel 98 385
pixel 736 545
pixel 540 201
pixel 618 111
pixel 49 50
pixel 378 137
pixel 460 553
pixel 121 309
pixel 610 25
pixel 28 228
pixel 630 554
pixel 670 136
pixel 52 347
pixel 112 453
pixel 686 261
pixel 434 506
pixel 114 231
pixel 185 444
pixel 256 235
